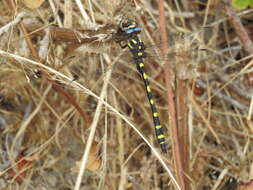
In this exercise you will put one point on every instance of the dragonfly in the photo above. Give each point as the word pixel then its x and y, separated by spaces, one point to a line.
pixel 128 32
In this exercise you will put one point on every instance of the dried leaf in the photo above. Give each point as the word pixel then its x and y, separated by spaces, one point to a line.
pixel 20 173
pixel 33 4
pixel 94 160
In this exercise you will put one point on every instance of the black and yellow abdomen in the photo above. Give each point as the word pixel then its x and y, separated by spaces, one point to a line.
pixel 129 34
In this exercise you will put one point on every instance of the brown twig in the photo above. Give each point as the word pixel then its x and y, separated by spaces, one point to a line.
pixel 170 98
pixel 182 124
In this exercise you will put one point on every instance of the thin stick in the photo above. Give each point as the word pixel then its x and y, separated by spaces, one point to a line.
pixel 170 97
pixel 84 14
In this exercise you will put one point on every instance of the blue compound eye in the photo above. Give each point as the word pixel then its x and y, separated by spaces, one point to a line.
pixel 131 30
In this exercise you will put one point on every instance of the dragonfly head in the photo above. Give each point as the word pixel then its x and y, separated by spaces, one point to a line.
pixel 126 30
pixel 129 27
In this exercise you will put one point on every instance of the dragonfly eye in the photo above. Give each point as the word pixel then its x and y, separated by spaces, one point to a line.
pixel 126 25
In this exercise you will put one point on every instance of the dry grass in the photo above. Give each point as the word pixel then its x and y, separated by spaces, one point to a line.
pixel 71 98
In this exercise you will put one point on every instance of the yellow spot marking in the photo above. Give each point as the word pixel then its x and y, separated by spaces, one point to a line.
pixel 141 64
pixel 155 114
pixel 134 41
pixel 160 136
pixel 151 101
pixel 162 142
pixel 129 45
pixel 158 126
pixel 148 89
pixel 139 47
pixel 145 76
pixel 140 54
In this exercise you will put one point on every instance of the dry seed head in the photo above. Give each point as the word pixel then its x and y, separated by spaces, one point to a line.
pixel 186 67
